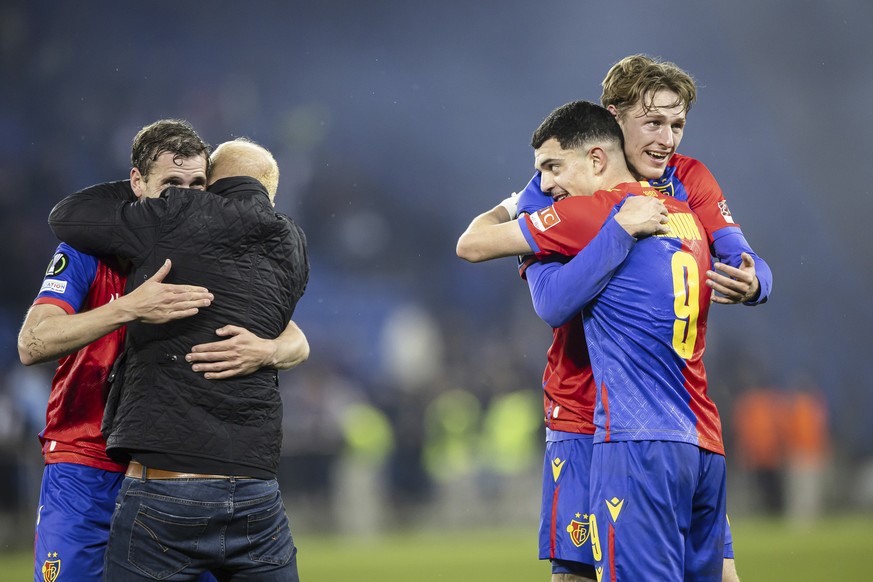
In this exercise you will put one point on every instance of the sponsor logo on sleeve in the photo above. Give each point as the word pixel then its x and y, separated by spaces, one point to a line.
pixel 725 211
pixel 545 219
pixel 54 286
pixel 57 265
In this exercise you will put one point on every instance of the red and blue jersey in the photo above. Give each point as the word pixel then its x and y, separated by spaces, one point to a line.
pixel 685 179
pixel 568 382
pixel 646 329
pixel 690 181
pixel 567 379
pixel 77 282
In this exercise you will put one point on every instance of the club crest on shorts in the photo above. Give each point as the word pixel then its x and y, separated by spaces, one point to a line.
pixel 579 530
pixel 51 568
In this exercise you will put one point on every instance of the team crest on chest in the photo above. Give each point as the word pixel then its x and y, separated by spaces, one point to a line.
pixel 666 189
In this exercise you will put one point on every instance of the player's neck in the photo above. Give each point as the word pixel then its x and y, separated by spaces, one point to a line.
pixel 618 176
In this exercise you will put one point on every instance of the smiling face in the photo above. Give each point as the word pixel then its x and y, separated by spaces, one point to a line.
pixel 651 133
pixel 167 170
pixel 565 172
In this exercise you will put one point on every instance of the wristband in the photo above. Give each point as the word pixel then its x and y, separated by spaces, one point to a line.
pixel 511 205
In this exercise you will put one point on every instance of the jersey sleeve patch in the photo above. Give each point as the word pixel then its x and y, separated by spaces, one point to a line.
pixel 57 265
pixel 69 276
pixel 53 286
pixel 725 211
pixel 545 219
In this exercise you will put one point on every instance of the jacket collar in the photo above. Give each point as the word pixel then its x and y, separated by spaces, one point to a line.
pixel 239 186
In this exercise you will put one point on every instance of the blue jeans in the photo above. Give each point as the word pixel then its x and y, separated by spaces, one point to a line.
pixel 176 529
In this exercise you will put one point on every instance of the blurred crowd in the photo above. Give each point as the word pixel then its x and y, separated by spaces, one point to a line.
pixel 448 432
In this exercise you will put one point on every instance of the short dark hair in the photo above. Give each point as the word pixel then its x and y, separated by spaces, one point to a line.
pixel 578 123
pixel 175 136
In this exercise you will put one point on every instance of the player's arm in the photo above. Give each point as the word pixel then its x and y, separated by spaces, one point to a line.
pixel 493 234
pixel 740 275
pixel 49 332
pixel 489 235
pixel 743 279
pixel 532 198
pixel 561 290
pixel 243 352
pixel 564 228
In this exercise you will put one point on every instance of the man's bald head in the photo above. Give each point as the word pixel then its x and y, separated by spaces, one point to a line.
pixel 243 157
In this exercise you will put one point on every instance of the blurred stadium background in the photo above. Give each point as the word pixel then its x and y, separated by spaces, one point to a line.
pixel 394 123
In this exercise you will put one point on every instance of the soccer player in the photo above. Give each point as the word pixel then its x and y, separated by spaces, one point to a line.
pixel 650 99
pixel 78 317
pixel 200 491
pixel 658 464
pixel 652 134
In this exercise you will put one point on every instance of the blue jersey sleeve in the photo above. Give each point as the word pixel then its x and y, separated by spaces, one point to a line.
pixel 68 278
pixel 532 198
pixel 561 290
pixel 728 244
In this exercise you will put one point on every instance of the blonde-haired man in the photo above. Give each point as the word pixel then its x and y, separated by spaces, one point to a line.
pixel 243 157
pixel 650 99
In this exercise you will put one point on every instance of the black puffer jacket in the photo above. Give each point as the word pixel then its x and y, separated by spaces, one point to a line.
pixel 253 260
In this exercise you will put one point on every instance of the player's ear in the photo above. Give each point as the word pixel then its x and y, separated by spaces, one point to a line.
pixel 137 182
pixel 598 159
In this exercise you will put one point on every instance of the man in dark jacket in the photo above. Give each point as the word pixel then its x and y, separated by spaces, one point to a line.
pixel 201 490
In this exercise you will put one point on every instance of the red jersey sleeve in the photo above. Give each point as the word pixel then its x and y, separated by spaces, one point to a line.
pixel 704 195
pixel 566 227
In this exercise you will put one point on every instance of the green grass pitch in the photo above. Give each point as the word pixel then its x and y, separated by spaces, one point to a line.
pixel 767 551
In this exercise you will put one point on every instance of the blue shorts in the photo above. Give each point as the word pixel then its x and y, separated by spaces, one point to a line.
pixel 658 511
pixel 72 521
pixel 564 532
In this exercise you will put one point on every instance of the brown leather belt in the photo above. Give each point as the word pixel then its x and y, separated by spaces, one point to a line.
pixel 137 470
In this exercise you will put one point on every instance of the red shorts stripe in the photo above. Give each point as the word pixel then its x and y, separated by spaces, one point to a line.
pixel 554 532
